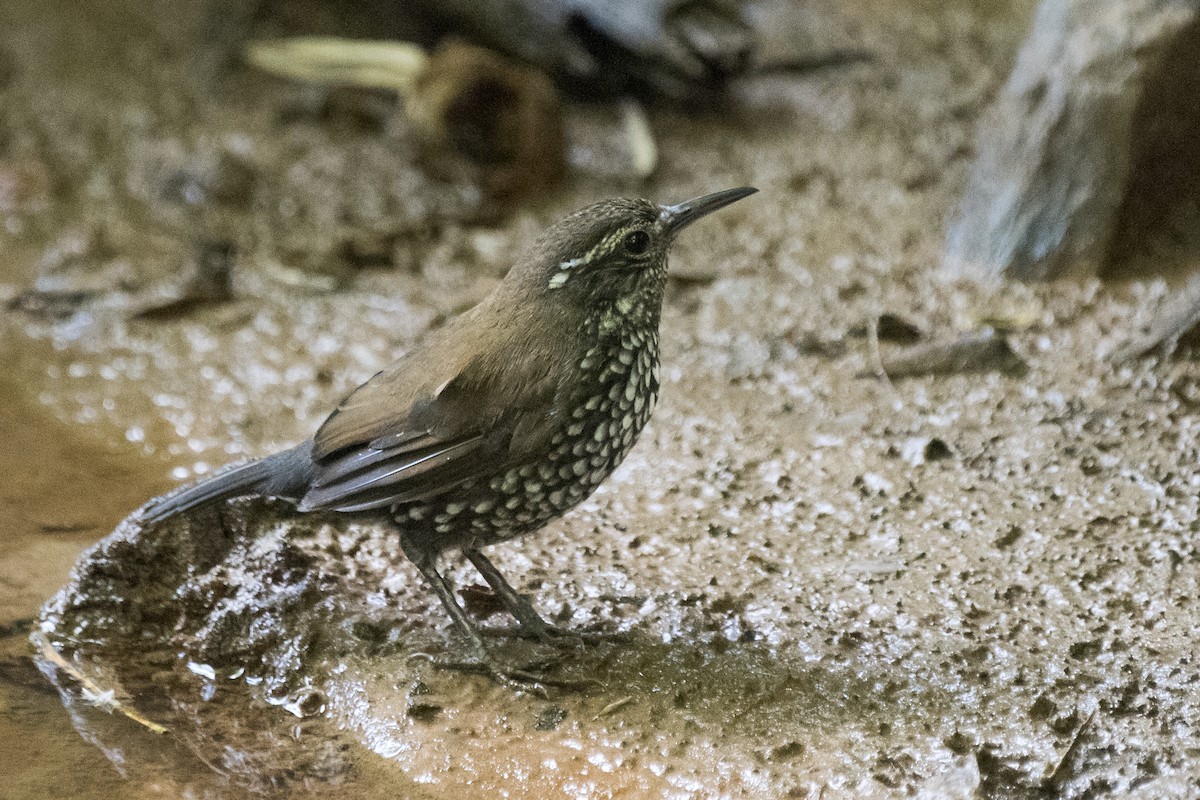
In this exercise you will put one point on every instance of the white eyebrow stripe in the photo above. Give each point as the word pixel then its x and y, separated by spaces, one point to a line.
pixel 603 246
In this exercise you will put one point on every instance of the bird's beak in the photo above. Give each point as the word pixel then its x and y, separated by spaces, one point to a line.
pixel 677 217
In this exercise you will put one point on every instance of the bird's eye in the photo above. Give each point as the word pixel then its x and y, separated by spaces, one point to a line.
pixel 636 243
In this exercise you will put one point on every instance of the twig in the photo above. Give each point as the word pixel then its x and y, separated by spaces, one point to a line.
pixel 1058 776
pixel 613 707
pixel 1176 316
pixel 103 698
pixel 877 366
pixel 330 60
pixel 980 351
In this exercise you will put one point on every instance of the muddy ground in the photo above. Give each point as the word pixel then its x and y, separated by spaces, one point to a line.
pixel 982 584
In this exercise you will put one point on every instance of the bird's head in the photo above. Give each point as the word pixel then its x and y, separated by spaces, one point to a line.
pixel 613 253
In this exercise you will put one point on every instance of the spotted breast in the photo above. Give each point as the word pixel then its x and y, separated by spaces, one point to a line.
pixel 594 427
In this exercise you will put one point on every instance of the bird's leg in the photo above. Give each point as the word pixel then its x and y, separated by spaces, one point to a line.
pixel 481 662
pixel 441 587
pixel 532 626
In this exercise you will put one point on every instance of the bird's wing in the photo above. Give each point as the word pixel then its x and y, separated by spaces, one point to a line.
pixel 402 437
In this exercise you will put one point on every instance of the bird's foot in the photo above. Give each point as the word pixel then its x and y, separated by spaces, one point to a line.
pixel 547 633
pixel 532 626
pixel 528 679
pixel 530 623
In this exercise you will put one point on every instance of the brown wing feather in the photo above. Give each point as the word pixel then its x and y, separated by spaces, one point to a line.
pixel 367 478
pixel 415 431
pixel 385 405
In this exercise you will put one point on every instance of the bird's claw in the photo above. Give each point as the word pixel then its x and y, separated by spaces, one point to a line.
pixel 555 636
pixel 529 679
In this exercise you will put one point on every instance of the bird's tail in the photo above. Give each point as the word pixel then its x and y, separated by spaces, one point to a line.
pixel 274 475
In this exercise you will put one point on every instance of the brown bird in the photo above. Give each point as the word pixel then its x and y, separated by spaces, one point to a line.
pixel 505 418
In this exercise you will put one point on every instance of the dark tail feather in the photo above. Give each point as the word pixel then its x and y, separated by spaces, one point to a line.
pixel 276 475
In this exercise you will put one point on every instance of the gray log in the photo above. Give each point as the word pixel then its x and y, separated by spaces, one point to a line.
pixel 1054 152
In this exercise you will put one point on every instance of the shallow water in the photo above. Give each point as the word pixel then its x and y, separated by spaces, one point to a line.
pixel 62 491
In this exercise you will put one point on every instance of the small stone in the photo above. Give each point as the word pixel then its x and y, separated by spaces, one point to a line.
pixel 548 719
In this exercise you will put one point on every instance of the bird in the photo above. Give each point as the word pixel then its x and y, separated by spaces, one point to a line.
pixel 501 420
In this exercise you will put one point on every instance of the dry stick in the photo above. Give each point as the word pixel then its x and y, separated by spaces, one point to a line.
pixel 195 747
pixel 613 707
pixel 331 60
pixel 972 352
pixel 102 697
pixel 877 361
pixel 1175 317
pixel 1057 777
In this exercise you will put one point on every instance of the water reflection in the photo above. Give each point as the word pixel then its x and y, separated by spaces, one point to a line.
pixel 268 649
pixel 220 740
